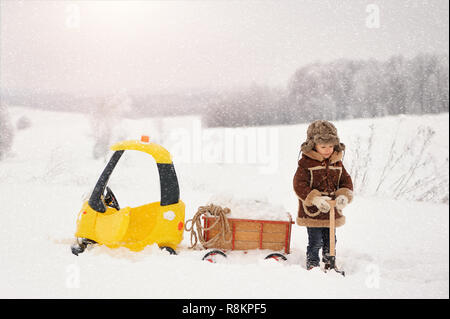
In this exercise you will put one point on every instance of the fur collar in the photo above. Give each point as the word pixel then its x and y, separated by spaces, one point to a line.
pixel 335 157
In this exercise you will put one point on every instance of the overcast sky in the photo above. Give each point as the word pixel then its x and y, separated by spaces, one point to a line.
pixel 160 46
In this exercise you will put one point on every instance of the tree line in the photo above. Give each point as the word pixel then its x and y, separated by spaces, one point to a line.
pixel 341 89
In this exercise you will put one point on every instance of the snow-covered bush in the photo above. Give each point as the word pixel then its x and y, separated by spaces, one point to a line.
pixel 6 131
pixel 23 123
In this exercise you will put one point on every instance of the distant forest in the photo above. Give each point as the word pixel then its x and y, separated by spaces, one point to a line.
pixel 341 89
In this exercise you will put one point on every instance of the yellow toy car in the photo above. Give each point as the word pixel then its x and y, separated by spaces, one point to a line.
pixel 102 221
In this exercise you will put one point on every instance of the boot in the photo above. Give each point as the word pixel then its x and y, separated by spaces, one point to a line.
pixel 310 265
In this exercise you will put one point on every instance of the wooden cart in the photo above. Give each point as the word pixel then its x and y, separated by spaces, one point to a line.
pixel 247 234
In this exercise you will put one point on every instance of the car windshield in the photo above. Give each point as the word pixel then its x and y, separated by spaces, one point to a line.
pixel 169 188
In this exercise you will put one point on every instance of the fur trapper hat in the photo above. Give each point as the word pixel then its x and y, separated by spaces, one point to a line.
pixel 321 132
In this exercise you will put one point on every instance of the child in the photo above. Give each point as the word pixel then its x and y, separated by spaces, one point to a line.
pixel 320 176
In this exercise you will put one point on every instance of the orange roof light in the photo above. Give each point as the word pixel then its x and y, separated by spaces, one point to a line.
pixel 145 139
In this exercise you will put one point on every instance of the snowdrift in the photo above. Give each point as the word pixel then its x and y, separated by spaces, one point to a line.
pixel 393 246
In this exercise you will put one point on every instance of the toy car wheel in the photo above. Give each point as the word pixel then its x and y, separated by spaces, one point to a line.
pixel 168 249
pixel 211 256
pixel 81 245
pixel 77 249
pixel 276 256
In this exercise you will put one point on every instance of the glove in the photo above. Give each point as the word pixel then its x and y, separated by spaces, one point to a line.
pixel 341 202
pixel 321 203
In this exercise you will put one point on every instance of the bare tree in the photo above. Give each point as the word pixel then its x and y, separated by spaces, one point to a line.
pixel 106 115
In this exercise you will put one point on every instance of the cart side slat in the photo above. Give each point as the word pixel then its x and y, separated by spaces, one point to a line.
pixel 261 236
pixel 246 226
pixel 273 246
pixel 244 245
pixel 234 236
pixel 274 237
pixel 247 234
pixel 275 228
pixel 212 232
pixel 208 235
pixel 255 236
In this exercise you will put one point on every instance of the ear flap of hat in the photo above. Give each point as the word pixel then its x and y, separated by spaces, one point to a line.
pixel 339 147
pixel 307 146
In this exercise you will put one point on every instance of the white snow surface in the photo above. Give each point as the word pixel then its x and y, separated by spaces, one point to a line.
pixel 389 248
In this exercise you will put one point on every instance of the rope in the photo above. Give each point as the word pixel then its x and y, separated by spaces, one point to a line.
pixel 219 239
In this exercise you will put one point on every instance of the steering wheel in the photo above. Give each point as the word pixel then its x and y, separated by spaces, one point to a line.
pixel 110 199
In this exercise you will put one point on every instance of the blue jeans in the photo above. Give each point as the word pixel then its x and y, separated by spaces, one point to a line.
pixel 318 237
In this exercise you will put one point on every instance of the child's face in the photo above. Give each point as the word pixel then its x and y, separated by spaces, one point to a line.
pixel 325 149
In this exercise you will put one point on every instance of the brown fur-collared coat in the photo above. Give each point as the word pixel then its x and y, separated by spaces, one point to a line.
pixel 316 176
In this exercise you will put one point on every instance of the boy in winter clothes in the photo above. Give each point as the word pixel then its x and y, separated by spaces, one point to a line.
pixel 321 176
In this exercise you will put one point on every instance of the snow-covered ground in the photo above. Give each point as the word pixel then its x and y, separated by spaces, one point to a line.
pixel 389 248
